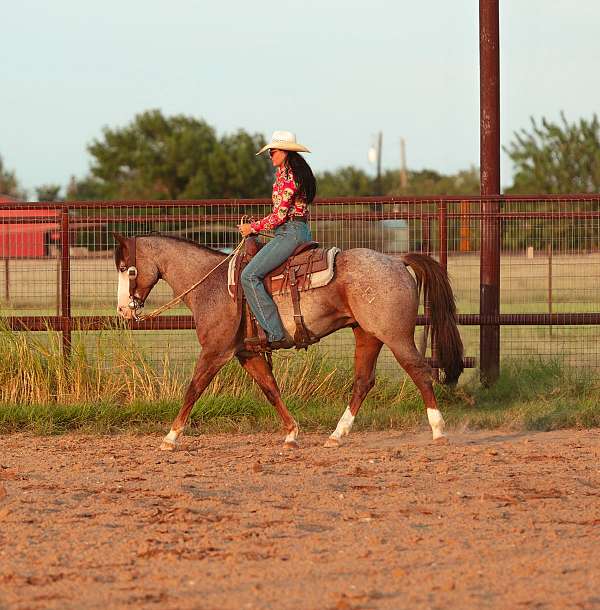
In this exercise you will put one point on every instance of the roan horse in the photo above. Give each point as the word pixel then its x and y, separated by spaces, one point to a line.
pixel 372 293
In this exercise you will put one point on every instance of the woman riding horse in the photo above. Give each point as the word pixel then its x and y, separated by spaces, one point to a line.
pixel 371 293
pixel 294 188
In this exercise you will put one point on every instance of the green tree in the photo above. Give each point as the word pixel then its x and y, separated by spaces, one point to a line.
pixel 430 182
pixel 353 182
pixel 154 157
pixel 235 169
pixel 48 192
pixel 556 158
pixel 9 185
pixel 344 182
pixel 87 189
pixel 178 157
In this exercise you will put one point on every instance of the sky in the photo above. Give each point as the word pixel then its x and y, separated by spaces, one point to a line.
pixel 335 72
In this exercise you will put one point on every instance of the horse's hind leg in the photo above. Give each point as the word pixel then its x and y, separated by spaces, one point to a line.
pixel 207 367
pixel 414 364
pixel 260 370
pixel 365 359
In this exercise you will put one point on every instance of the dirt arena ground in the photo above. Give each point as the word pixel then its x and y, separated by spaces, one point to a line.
pixel 492 520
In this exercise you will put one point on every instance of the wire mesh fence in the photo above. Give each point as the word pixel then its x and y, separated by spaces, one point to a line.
pixel 57 272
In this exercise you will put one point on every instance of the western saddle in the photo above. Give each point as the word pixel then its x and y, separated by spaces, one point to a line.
pixel 293 276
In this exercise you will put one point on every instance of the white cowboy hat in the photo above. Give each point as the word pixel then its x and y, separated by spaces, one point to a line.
pixel 283 140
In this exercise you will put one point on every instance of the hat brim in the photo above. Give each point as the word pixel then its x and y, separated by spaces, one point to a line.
pixel 292 146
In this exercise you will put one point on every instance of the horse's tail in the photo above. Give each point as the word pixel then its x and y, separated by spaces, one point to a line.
pixel 444 331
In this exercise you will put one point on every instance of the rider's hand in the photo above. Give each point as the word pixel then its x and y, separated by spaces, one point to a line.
pixel 246 229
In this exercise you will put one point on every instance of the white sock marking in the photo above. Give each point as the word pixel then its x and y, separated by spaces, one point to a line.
pixel 293 435
pixel 171 437
pixel 344 425
pixel 436 421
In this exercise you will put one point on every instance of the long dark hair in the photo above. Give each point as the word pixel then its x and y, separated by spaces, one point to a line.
pixel 307 185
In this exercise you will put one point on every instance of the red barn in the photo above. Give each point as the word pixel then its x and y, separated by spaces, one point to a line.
pixel 22 239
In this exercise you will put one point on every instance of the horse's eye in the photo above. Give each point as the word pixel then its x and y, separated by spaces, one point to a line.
pixel 122 268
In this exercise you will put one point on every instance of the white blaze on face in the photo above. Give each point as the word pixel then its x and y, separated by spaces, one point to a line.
pixel 123 295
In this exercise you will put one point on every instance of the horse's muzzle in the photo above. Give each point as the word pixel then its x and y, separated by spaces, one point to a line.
pixel 135 305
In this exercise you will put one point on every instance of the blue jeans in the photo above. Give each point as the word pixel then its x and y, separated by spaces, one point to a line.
pixel 288 237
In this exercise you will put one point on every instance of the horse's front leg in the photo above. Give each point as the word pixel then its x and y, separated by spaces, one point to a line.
pixel 365 359
pixel 207 367
pixel 260 370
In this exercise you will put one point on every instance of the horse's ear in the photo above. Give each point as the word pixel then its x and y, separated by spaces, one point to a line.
pixel 122 240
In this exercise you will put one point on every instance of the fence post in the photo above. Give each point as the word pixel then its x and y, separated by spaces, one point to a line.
pixel 550 284
pixel 443 228
pixel 7 279
pixel 443 255
pixel 489 288
pixel 465 226
pixel 65 280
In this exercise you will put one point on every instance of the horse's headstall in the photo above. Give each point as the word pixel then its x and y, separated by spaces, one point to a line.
pixel 135 303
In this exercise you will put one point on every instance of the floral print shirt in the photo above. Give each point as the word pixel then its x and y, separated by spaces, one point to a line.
pixel 286 203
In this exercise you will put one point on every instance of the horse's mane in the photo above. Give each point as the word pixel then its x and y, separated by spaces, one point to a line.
pixel 119 248
pixel 186 241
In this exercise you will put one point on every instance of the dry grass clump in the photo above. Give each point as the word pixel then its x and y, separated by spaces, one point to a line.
pixel 112 367
pixel 108 384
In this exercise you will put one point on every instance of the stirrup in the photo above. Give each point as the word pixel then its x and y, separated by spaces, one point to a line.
pixel 280 344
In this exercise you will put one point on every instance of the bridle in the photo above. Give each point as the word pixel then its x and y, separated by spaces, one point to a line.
pixel 135 303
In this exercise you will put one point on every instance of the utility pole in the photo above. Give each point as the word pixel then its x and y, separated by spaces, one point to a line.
pixel 489 83
pixel 374 156
pixel 378 180
pixel 403 173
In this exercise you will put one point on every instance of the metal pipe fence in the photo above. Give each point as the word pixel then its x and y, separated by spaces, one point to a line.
pixel 57 272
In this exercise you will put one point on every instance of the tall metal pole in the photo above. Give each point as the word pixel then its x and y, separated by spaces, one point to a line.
pixel 65 281
pixel 489 79
pixel 7 279
pixel 379 146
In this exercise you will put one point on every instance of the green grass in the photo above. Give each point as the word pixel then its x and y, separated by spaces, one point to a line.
pixel 530 395
pixel 110 386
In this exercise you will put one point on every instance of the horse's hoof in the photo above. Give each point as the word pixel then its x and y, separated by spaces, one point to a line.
pixel 291 445
pixel 332 443
pixel 441 440
pixel 167 446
